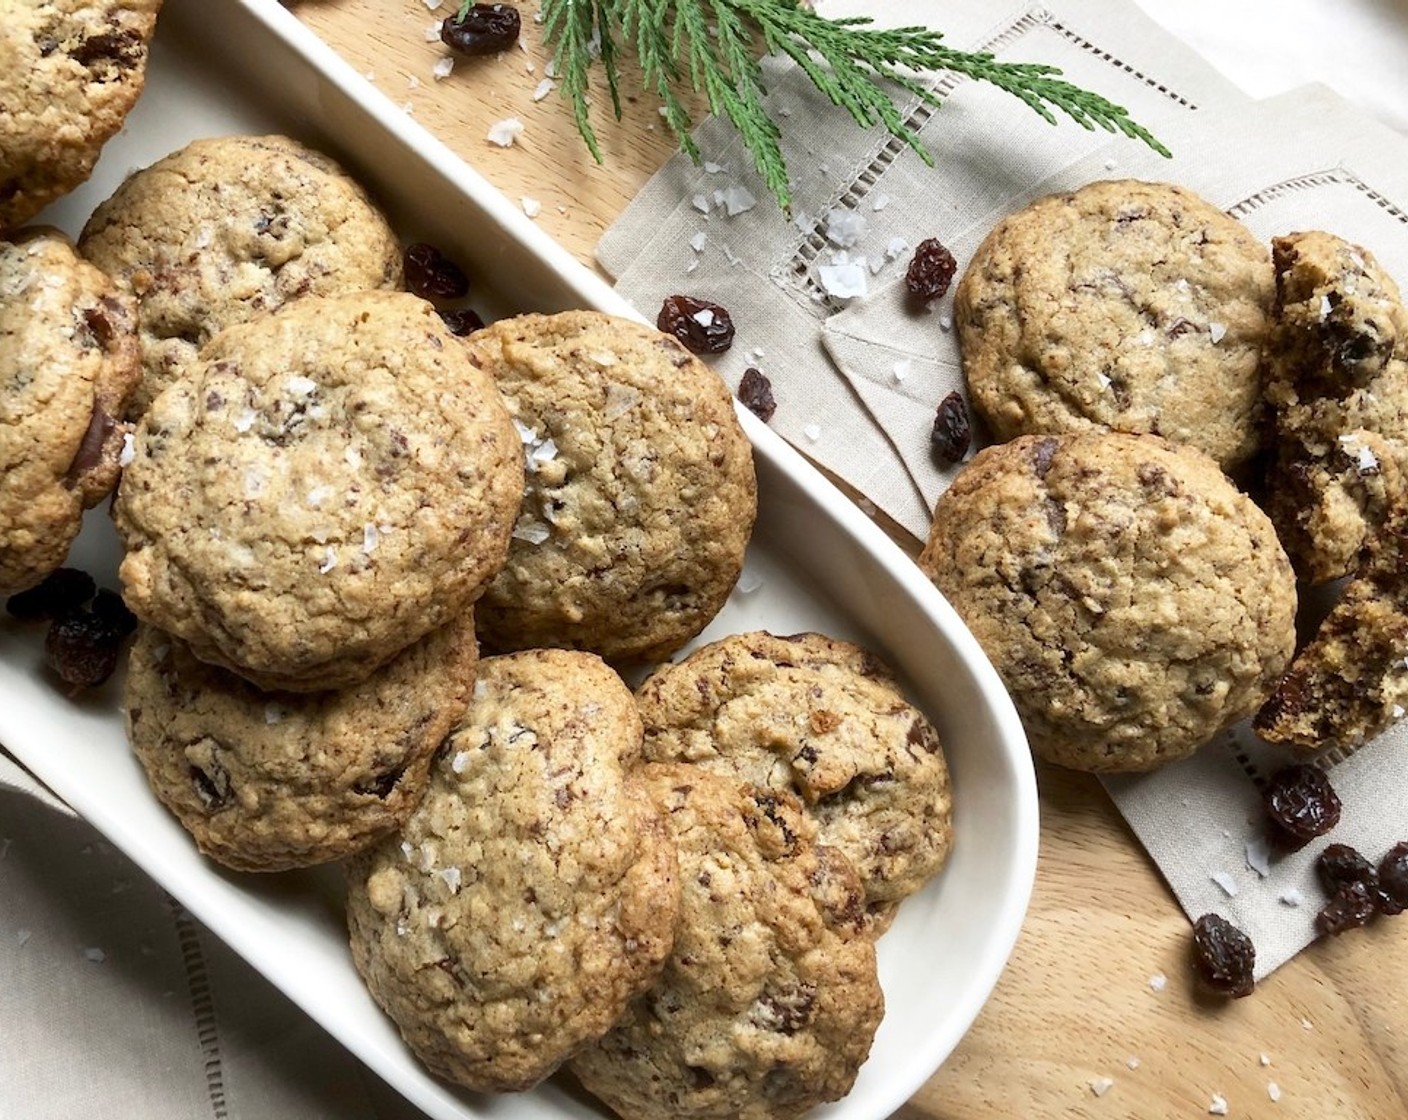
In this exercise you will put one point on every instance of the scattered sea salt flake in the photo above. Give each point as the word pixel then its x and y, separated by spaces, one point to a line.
pixel 505 132
pixel 371 537
pixel 1325 307
pixel 273 713
pixel 945 323
pixel 408 108
pixel 433 4
pixel 1104 379
pixel 1217 331
pixel 812 432
pixel 692 265
pixel 94 954
pixel 701 203
pixel 902 368
pixel 534 532
pixel 459 762
pixel 1265 1059
pixel 748 581
pixel 443 68
pixel 620 399
pixel 1398 712
pixel 737 199
pixel 876 264
pixel 1132 1062
pixel 23 937
pixel 531 206
pixel 1145 337
pixel 1273 1091
pixel 1307 1025
pixel 1224 880
pixel 803 221
pixel 1158 982
pixel 451 878
pixel 698 241
pixel 1259 856
pixel 545 452
pixel 407 848
pixel 1181 284
pixel 712 168
pixel 1218 1105
pixel 129 450
pixel 1101 1085
pixel 1110 165
pixel 897 248
pixel 845 227
pixel 882 200
pixel 432 35
pixel 542 89
pixel 844 281
pixel 318 495
pixel 300 386
pixel 329 561
pixel 412 82
pixel 704 317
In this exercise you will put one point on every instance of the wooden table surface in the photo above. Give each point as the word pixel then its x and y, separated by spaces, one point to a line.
pixel 1075 1004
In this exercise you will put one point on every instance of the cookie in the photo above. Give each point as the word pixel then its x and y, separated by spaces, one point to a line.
pixel 1125 305
pixel 822 719
pixel 534 893
pixel 1350 682
pixel 1133 601
pixel 641 494
pixel 1337 380
pixel 68 363
pixel 226 229
pixel 768 1004
pixel 270 781
pixel 326 485
pixel 71 73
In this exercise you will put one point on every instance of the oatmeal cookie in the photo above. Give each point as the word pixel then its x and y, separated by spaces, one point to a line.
pixel 1337 379
pixel 1133 601
pixel 534 893
pixel 641 495
pixel 825 720
pixel 228 228
pixel 271 781
pixel 68 363
pixel 1351 681
pixel 327 484
pixel 70 71
pixel 1126 305
pixel 769 1002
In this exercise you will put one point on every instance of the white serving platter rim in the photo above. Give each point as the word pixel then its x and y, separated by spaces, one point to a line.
pixel 922 635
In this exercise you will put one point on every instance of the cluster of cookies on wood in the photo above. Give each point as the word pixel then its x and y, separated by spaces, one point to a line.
pixel 327 501
pixel 1138 350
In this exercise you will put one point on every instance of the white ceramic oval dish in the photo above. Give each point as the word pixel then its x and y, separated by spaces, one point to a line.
pixel 224 66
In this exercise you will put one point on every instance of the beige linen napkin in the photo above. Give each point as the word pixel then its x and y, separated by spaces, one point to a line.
pixel 862 194
pixel 117 1003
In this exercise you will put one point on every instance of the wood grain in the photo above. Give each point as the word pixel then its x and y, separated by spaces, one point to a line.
pixel 1075 1004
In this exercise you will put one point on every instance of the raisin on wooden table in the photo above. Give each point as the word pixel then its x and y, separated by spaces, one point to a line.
pixel 1224 958
pixel 484 29
pixel 1351 907
pixel 1393 874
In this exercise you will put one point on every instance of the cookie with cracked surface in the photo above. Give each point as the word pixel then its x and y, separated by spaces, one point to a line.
pixel 641 495
pixel 769 1002
pixel 271 781
pixel 823 719
pixel 1337 380
pixel 1133 601
pixel 534 893
pixel 72 71
pixel 68 363
pixel 1124 305
pixel 1350 682
pixel 327 484
pixel 226 229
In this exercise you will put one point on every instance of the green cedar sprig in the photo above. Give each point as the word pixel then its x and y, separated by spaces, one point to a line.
pixel 714 47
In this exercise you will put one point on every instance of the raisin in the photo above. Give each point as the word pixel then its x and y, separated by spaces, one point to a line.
pixel 701 327
pixel 755 391
pixel 1224 957
pixel 63 590
pixel 1393 874
pixel 432 275
pixel 462 321
pixel 483 29
pixel 82 648
pixel 1339 865
pixel 1351 907
pixel 951 434
pixel 1301 804
pixel 930 271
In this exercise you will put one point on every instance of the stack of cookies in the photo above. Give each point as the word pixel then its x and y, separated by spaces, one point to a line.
pixel 1138 350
